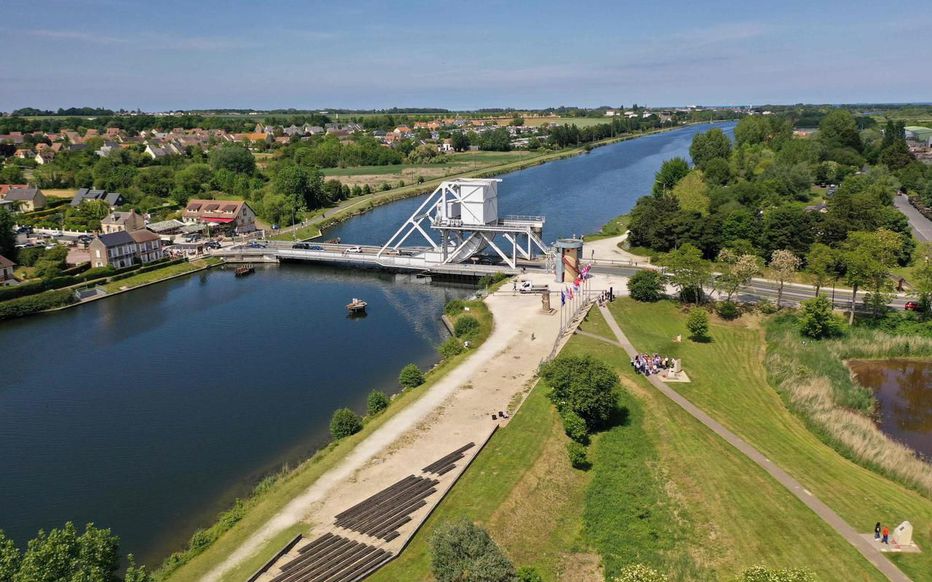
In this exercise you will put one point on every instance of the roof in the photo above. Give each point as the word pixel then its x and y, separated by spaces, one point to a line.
pixel 165 225
pixel 112 198
pixel 118 217
pixel 142 236
pixel 213 209
pixel 22 194
pixel 5 262
pixel 115 239
pixel 4 188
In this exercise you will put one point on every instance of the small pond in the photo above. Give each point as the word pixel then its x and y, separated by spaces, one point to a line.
pixel 904 390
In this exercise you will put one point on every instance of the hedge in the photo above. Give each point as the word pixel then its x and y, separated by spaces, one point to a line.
pixel 35 303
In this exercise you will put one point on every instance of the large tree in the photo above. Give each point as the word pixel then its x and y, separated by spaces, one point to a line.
pixel 233 157
pixel 868 257
pixel 301 183
pixel 670 172
pixel 7 236
pixel 839 129
pixel 461 551
pixel 583 385
pixel 736 270
pixel 687 271
pixel 708 146
pixel 783 263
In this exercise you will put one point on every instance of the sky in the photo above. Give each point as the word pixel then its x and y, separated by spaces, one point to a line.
pixel 308 54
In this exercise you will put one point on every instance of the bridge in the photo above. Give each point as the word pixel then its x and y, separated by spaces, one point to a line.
pixel 464 236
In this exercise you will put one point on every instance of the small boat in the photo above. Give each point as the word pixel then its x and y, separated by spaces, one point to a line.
pixel 244 270
pixel 356 306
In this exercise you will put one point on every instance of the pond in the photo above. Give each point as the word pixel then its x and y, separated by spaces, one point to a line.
pixel 904 390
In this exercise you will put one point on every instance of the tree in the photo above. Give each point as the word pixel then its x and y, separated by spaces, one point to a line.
pixel 577 455
pixel 466 326
pixel 868 256
pixel 583 385
pixel 646 285
pixel 708 146
pixel 376 402
pixel 233 157
pixel 736 271
pixel 692 193
pixel 300 183
pixel 838 129
pixel 10 557
pixel 670 172
pixel 459 141
pixel 688 271
pixel 464 552
pixel 718 172
pixel 697 323
pixel 411 376
pixel 136 573
pixel 62 554
pixel 922 278
pixel 344 423
pixel 191 181
pixel 783 263
pixel 7 236
pixel 52 262
pixel 821 263
pixel 817 320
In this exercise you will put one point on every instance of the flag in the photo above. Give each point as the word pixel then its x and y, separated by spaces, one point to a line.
pixel 562 298
pixel 570 292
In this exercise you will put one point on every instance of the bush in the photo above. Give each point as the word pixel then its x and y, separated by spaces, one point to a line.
pixel 639 573
pixel 454 306
pixel 376 402
pixel 727 310
pixel 698 325
pixel 461 551
pixel 577 453
pixel 451 347
pixel 583 385
pixel 487 281
pixel 411 376
pixel 646 286
pixel 529 574
pixel 344 423
pixel 575 427
pixel 465 326
pixel 817 319
pixel 766 306
pixel 35 303
pixel 761 574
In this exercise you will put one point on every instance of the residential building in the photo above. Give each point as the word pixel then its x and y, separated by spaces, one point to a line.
pixel 113 199
pixel 44 157
pixel 5 188
pixel 148 246
pixel 122 221
pixel 6 272
pixel 26 199
pixel 117 250
pixel 231 215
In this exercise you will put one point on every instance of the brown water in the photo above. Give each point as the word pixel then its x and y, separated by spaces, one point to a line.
pixel 904 390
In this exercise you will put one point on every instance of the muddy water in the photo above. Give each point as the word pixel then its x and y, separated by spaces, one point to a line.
pixel 904 390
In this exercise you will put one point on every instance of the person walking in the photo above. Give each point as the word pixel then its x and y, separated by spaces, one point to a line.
pixel 877 531
pixel 885 535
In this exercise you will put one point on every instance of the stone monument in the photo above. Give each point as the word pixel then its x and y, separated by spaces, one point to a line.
pixel 545 300
pixel 903 534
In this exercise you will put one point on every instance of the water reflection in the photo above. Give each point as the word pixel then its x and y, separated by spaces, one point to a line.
pixel 904 390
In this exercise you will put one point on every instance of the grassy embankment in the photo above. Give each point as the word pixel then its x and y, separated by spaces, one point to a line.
pixel 162 274
pixel 729 381
pixel 325 217
pixel 663 490
pixel 209 547
pixel 614 227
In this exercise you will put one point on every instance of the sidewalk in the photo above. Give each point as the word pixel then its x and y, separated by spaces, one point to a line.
pixel 886 567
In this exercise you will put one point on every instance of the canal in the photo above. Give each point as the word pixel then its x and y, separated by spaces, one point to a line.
pixel 150 411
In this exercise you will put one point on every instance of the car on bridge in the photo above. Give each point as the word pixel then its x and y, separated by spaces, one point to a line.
pixel 353 250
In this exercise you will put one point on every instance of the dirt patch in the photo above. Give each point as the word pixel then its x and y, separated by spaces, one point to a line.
pixel 581 568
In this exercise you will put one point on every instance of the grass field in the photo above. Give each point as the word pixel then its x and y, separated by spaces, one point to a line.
pixel 158 275
pixel 264 505
pixel 729 382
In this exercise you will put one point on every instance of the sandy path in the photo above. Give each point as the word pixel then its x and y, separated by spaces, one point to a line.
pixel 453 412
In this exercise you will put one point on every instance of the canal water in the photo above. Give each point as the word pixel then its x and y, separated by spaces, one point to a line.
pixel 904 390
pixel 150 411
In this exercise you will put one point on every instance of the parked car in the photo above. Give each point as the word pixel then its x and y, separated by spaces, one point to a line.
pixel 301 245
pixel 315 248
pixel 212 244
pixel 911 306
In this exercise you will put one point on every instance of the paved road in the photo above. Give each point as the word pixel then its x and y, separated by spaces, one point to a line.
pixel 922 226
pixel 873 555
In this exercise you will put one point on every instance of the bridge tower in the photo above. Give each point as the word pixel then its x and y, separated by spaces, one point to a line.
pixel 463 216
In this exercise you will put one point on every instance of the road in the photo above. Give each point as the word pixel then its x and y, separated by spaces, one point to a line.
pixel 921 226
pixel 872 554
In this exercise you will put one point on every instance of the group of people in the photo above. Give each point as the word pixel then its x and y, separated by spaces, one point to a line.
pixel 882 533
pixel 650 364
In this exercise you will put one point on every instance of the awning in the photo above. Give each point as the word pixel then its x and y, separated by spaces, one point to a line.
pixel 217 220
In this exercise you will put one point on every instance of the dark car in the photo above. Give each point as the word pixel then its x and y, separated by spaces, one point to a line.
pixel 911 306
pixel 304 246
pixel 212 244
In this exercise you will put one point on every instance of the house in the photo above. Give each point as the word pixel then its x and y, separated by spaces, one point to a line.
pixel 148 246
pixel 113 199
pixel 166 229
pixel 119 221
pixel 26 199
pixel 117 250
pixel 6 272
pixel 45 157
pixel 155 152
pixel 235 216
pixel 23 153
pixel 5 188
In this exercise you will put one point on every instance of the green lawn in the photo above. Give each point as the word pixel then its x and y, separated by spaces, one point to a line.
pixel 729 382
pixel 159 274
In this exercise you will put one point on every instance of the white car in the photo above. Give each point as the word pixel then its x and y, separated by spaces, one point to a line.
pixel 355 249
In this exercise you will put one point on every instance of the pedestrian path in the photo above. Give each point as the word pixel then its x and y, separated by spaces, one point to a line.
pixel 886 567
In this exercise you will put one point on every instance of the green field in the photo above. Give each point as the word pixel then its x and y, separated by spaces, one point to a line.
pixel 158 275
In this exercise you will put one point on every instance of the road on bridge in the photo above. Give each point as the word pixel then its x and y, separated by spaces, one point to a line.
pixel 921 226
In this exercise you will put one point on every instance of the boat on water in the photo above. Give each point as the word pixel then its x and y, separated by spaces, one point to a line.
pixel 356 306
pixel 244 270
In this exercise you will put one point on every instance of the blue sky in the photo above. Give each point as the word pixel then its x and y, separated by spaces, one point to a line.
pixel 169 54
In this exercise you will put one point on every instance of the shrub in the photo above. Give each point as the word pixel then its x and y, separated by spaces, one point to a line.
pixel 411 376
pixel 766 306
pixel 639 573
pixel 376 402
pixel 451 347
pixel 583 385
pixel 454 306
pixel 646 286
pixel 529 574
pixel 577 453
pixel 344 423
pixel 727 310
pixel 35 303
pixel 465 326
pixel 817 319
pixel 762 574
pixel 461 551
pixel 487 281
pixel 575 427
pixel 698 324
